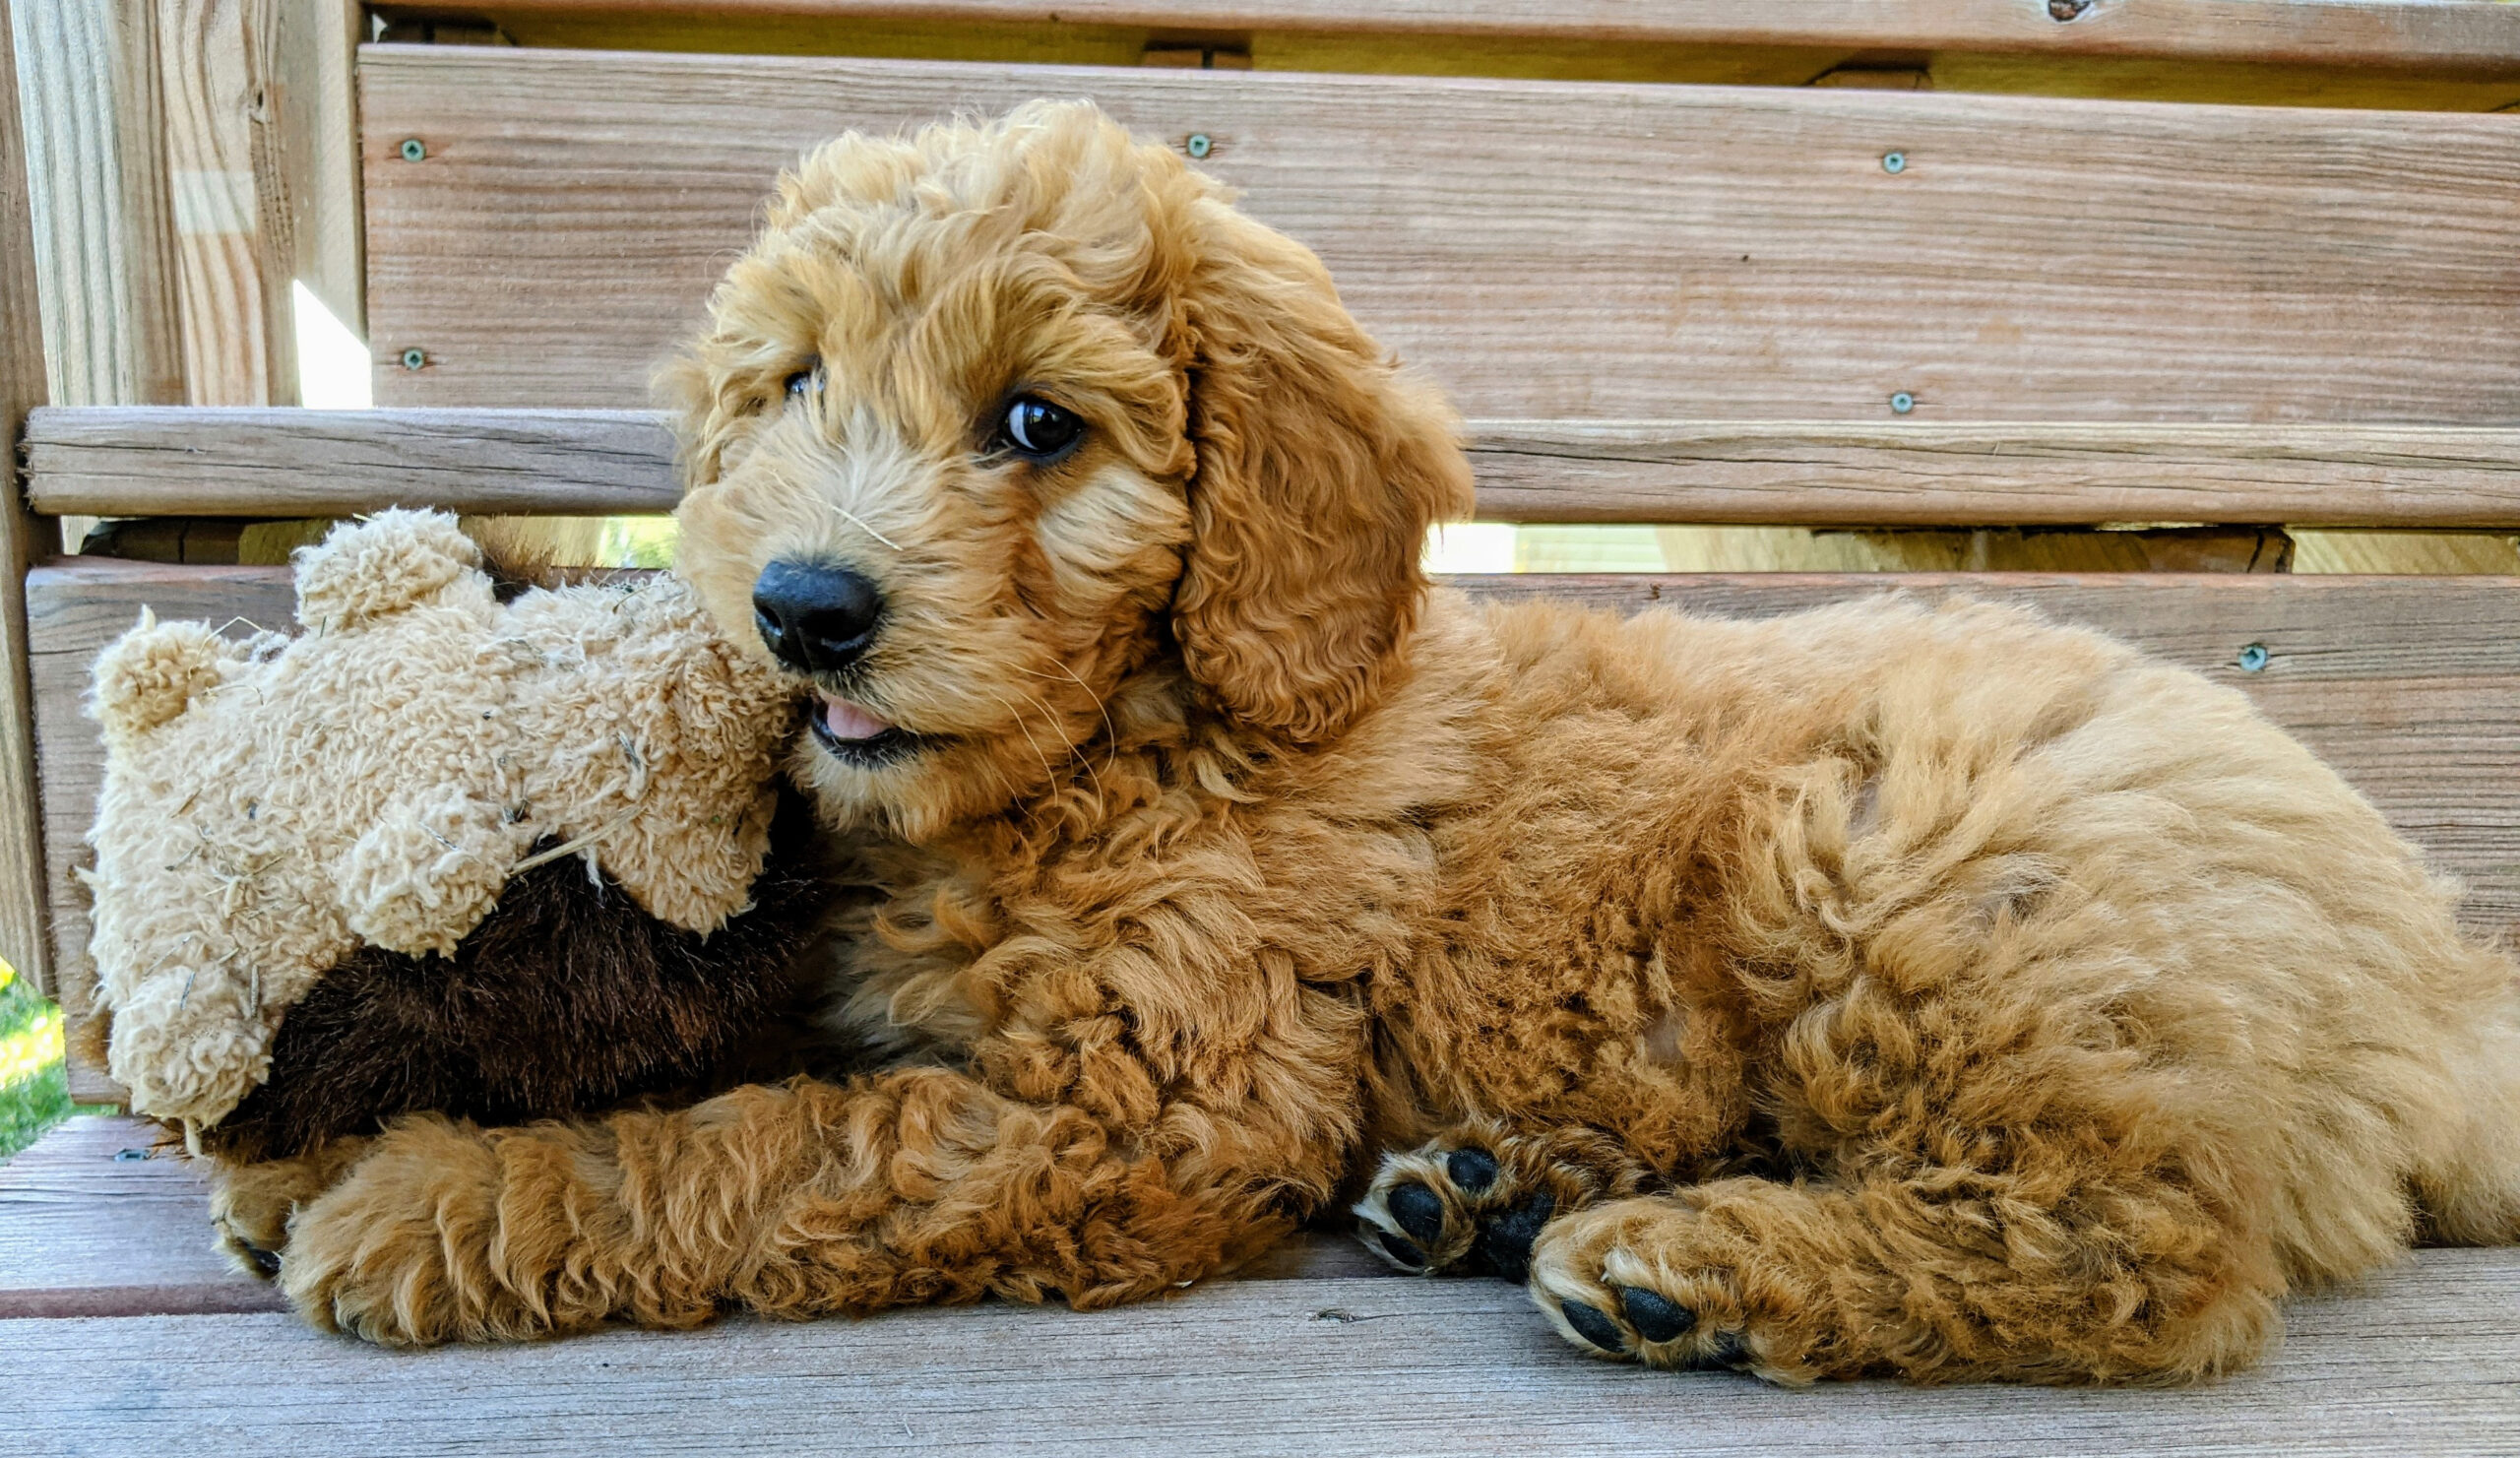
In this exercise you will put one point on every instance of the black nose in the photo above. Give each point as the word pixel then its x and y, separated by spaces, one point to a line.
pixel 813 615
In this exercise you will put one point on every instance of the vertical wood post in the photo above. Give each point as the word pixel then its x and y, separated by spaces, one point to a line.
pixel 23 537
pixel 316 45
pixel 234 236
pixel 105 239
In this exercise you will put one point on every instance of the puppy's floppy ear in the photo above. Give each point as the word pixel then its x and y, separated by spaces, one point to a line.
pixel 1320 468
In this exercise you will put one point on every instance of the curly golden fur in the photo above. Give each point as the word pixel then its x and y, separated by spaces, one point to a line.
pixel 1940 994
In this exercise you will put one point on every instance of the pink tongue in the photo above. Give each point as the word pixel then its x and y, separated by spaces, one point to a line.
pixel 847 721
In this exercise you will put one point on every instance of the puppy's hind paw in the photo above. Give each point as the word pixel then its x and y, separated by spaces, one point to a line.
pixel 1476 1200
pixel 1646 1281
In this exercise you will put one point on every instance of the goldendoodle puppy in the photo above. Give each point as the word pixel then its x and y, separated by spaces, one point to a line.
pixel 1940 994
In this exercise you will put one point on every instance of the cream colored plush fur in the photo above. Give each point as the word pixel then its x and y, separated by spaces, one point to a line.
pixel 268 805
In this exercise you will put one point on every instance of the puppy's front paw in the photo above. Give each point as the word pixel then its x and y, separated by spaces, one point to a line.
pixel 1651 1280
pixel 1475 1200
pixel 402 1250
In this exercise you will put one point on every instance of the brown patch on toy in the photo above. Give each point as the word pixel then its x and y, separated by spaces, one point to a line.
pixel 567 999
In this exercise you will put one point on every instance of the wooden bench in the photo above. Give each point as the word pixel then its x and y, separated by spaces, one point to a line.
pixel 1906 299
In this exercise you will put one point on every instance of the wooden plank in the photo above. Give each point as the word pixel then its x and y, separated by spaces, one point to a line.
pixel 1539 55
pixel 1933 475
pixel 24 942
pixel 103 240
pixel 289 462
pixel 104 1216
pixel 1546 250
pixel 2458 36
pixel 233 245
pixel 2419 1362
pixel 334 463
pixel 314 103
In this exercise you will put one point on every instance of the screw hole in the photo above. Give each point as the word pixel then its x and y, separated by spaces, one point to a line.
pixel 1894 162
pixel 413 150
pixel 1902 403
pixel 1199 144
pixel 2066 9
pixel 2253 658
pixel 414 358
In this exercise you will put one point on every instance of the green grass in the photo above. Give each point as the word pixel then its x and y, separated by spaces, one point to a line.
pixel 35 1089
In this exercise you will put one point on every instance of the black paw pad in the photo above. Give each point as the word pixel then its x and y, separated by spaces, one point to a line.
pixel 1730 1355
pixel 1504 1243
pixel 1401 1250
pixel 1593 1326
pixel 1470 1170
pixel 265 1261
pixel 1656 1317
pixel 1419 1210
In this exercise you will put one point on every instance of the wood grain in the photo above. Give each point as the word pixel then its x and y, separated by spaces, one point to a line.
pixel 2418 1362
pixel 320 462
pixel 2459 36
pixel 314 132
pixel 287 463
pixel 234 246
pixel 104 238
pixel 23 941
pixel 1932 475
pixel 1547 250
pixel 1315 1349
pixel 104 1216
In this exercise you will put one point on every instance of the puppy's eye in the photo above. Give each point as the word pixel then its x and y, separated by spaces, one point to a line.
pixel 1039 430
pixel 806 381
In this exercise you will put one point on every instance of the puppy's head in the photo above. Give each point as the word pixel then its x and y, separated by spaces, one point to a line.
pixel 994 418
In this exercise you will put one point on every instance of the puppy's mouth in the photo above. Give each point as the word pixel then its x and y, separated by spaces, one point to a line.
pixel 854 733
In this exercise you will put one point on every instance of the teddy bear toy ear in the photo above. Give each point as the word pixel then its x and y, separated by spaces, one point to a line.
pixel 152 673
pixel 392 562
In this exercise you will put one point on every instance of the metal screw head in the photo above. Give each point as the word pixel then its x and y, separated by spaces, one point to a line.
pixel 414 358
pixel 1902 403
pixel 413 150
pixel 1894 162
pixel 2253 658
pixel 1199 144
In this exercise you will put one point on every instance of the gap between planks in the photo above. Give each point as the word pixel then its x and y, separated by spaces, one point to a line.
pixel 138 460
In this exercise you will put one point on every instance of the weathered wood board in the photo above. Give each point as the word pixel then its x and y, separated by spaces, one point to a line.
pixel 1323 1353
pixel 280 463
pixel 2458 36
pixel 24 536
pixel 1546 250
pixel 104 1216
pixel 2411 687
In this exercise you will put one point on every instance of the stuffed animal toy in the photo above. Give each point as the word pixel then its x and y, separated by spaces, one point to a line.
pixel 438 852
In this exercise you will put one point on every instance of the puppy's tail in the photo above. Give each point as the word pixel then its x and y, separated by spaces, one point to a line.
pixel 526 553
pixel 2471 1193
